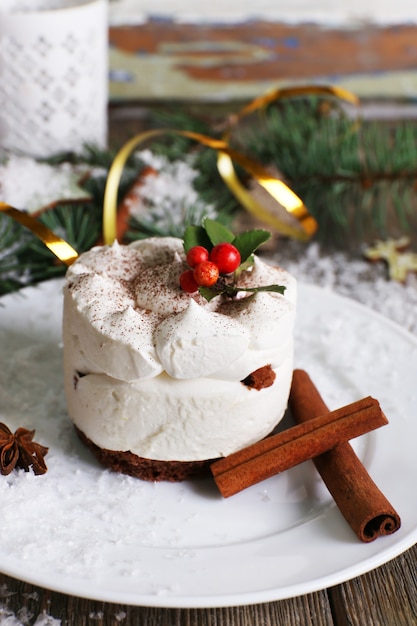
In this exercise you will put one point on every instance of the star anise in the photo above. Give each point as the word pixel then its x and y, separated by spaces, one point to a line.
pixel 18 450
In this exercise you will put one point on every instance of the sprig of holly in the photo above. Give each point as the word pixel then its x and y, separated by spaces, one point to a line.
pixel 216 257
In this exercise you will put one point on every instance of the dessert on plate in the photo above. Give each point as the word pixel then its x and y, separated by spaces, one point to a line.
pixel 176 353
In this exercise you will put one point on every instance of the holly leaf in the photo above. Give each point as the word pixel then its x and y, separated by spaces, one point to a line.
pixel 217 232
pixel 232 290
pixel 196 236
pixel 249 241
pixel 243 267
pixel 208 293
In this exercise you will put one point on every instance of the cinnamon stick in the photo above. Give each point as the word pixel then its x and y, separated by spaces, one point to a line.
pixel 295 445
pixel 360 501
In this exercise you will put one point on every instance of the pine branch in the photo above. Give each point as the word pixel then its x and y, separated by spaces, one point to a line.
pixel 354 177
pixel 13 242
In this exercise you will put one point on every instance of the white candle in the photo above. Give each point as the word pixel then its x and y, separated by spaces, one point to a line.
pixel 53 75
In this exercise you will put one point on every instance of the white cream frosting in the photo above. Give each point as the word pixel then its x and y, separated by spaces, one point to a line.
pixel 196 342
pixel 153 370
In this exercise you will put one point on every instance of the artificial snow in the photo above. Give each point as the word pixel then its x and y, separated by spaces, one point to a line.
pixel 29 185
pixel 166 197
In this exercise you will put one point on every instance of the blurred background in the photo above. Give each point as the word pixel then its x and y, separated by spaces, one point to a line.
pixel 232 49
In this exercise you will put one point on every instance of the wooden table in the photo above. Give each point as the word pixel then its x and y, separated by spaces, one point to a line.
pixel 386 596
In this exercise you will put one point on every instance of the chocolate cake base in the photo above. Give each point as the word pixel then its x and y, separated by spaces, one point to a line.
pixel 146 469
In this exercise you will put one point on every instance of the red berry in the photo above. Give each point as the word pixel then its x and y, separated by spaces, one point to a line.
pixel 196 255
pixel 206 274
pixel 226 256
pixel 187 282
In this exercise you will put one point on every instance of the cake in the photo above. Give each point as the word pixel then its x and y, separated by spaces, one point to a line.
pixel 160 382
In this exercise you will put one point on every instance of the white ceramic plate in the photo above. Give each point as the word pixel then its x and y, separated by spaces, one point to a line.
pixel 84 531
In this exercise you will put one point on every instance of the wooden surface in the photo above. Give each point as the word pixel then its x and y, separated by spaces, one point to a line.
pixel 166 59
pixel 386 596
pixel 289 50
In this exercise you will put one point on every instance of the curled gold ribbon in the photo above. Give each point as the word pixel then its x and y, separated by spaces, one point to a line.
pixel 227 155
pixel 278 191
pixel 294 92
pixel 62 250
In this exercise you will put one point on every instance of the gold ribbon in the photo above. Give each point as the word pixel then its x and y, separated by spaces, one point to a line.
pixel 278 191
pixel 58 246
pixel 275 187
pixel 295 92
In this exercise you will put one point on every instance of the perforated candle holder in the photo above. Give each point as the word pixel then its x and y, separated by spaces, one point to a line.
pixel 53 75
